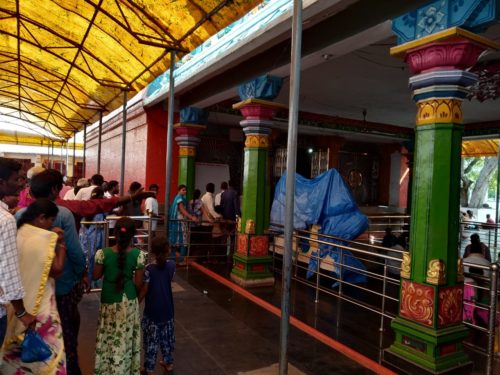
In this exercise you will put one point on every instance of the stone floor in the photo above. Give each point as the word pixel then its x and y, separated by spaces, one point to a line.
pixel 219 332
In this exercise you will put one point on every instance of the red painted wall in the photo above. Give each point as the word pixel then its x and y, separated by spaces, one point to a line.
pixel 145 149
pixel 157 119
pixel 135 147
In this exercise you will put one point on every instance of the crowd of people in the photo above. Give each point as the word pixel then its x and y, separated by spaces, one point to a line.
pixel 206 219
pixel 49 255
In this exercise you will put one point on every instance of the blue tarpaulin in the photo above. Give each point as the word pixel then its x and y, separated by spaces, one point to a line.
pixel 327 201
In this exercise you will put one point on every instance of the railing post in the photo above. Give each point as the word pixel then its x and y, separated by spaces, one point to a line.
pixel 188 236
pixel 106 233
pixel 492 317
pixel 150 232
pixel 318 271
pixel 384 291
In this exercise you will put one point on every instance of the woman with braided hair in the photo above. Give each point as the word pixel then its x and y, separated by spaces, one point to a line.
pixel 118 346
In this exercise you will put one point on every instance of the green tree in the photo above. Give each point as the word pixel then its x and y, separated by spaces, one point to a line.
pixel 476 180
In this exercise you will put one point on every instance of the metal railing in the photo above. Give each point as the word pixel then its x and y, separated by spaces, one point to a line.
pixel 381 268
pixel 488 233
pixel 142 239
pixel 399 225
pixel 201 242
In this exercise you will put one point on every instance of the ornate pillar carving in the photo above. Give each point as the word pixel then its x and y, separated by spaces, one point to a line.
pixel 187 137
pixel 251 259
pixel 429 329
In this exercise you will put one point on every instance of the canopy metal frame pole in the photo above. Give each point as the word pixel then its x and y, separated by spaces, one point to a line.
pixel 48 154
pixel 52 155
pixel 74 154
pixel 291 162
pixel 84 149
pixel 170 138
pixel 99 140
pixel 61 159
pixel 124 140
pixel 67 157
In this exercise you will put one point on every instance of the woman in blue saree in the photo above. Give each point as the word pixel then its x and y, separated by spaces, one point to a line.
pixel 178 227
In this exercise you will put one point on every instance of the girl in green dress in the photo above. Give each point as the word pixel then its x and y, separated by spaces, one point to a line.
pixel 118 346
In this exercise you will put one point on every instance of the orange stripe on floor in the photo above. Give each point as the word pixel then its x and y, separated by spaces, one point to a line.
pixel 334 344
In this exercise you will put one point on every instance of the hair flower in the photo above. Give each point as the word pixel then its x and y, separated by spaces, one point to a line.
pixel 123 230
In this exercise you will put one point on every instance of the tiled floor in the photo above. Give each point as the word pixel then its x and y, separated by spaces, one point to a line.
pixel 232 337
pixel 220 332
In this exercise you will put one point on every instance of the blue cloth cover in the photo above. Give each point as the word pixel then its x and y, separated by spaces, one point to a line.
pixel 325 200
pixel 263 87
pixel 193 115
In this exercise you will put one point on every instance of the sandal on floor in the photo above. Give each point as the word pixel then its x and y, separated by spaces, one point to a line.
pixel 168 367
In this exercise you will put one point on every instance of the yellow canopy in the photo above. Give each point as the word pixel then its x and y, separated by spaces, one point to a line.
pixel 64 61
pixel 34 140
pixel 483 147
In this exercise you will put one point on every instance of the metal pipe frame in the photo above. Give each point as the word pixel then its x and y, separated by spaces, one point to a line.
pixel 61 159
pixel 293 116
pixel 99 140
pixel 124 141
pixel 170 138
pixel 48 155
pixel 74 154
pixel 492 289
pixel 84 149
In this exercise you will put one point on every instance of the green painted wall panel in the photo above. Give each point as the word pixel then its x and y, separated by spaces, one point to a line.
pixel 187 174
pixel 255 205
pixel 436 188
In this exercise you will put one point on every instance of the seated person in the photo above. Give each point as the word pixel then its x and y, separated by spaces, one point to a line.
pixel 475 242
pixel 476 288
pixel 389 239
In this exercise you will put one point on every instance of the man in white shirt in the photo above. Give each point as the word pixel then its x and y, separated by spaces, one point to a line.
pixel 208 206
pixel 11 288
pixel 151 207
pixel 85 193
pixel 80 184
pixel 209 218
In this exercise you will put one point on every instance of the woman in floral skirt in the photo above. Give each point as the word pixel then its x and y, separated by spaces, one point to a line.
pixel 42 252
pixel 118 346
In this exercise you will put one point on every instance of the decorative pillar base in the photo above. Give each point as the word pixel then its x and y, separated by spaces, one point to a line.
pixel 252 283
pixel 435 351
pixel 252 271
pixel 402 366
pixel 251 262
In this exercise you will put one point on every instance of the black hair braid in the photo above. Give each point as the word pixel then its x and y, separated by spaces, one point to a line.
pixel 125 231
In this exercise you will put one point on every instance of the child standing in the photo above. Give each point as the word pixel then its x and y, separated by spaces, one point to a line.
pixel 158 319
pixel 118 344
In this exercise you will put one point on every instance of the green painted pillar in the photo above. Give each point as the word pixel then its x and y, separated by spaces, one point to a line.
pixel 251 258
pixel 187 137
pixel 429 329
